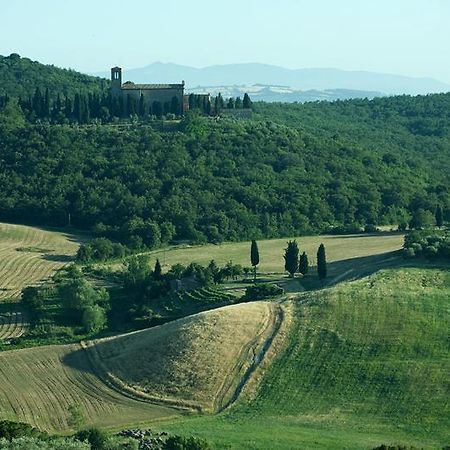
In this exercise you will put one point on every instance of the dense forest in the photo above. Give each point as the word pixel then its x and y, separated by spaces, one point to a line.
pixel 19 78
pixel 293 169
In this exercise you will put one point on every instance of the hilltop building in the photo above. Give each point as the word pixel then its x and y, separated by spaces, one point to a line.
pixel 156 98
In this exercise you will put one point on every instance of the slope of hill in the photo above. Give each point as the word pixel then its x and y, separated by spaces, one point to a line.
pixel 366 363
pixel 200 362
pixel 39 389
pixel 19 77
pixel 249 74
pixel 30 255
pixel 347 163
pixel 197 362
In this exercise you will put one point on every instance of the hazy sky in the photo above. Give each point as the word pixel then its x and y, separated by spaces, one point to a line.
pixel 410 37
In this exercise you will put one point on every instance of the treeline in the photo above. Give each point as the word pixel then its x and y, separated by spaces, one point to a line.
pixel 103 107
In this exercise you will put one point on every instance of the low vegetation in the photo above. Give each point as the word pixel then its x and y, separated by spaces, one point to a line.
pixel 430 244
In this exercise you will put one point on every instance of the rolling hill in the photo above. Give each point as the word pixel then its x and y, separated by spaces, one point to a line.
pixel 196 362
pixel 365 363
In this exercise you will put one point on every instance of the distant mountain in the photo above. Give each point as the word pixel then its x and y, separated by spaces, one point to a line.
pixel 300 79
pixel 260 92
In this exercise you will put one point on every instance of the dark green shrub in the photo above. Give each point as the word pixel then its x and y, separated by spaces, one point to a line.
pixel 262 291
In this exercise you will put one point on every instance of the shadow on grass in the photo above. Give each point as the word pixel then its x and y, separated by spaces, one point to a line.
pixel 59 258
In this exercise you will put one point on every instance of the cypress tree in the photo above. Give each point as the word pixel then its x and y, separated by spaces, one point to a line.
pixel 46 104
pixel 37 102
pixel 321 262
pixel 304 264
pixel 238 103
pixel 175 106
pixel 254 257
pixel 439 217
pixel 291 258
pixel 158 270
pixel 230 104
pixel 246 103
pixel 67 107
pixel 220 101
pixel 192 101
pixel 141 106
pixel 77 108
pixel 157 109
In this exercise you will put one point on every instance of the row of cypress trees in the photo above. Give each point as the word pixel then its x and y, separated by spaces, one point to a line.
pixel 294 263
pixel 84 107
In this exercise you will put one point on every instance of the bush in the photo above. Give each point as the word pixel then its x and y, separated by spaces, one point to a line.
pixel 262 291
pixel 408 253
pixel 182 443
pixel 93 319
pixel 95 437
pixel 10 430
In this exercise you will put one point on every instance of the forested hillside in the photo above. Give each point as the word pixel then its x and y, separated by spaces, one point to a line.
pixel 293 169
pixel 19 78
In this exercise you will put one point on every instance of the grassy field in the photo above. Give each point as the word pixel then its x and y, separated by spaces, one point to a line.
pixel 29 255
pixel 195 362
pixel 39 385
pixel 271 251
pixel 367 362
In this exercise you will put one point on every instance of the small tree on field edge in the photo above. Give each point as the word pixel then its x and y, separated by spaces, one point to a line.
pixel 254 257
pixel 291 258
pixel 303 266
pixel 157 272
pixel 321 262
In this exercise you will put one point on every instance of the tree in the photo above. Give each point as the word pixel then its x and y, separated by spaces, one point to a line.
pixel 157 109
pixel 254 257
pixel 175 106
pixel 230 104
pixel 321 262
pixel 96 437
pixel 422 218
pixel 291 258
pixel 439 216
pixel 246 103
pixel 141 106
pixel 93 319
pixel 304 264
pixel 157 272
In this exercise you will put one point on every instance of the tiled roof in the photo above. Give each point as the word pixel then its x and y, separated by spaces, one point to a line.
pixel 145 87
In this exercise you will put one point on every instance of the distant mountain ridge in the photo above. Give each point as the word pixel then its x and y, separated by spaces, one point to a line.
pixel 298 79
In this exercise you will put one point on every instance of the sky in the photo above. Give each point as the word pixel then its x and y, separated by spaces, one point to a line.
pixel 405 37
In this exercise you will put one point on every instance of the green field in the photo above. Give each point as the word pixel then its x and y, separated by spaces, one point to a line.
pixel 339 248
pixel 367 362
pixel 356 365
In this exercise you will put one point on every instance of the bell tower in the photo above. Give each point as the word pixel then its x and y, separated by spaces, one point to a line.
pixel 116 80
